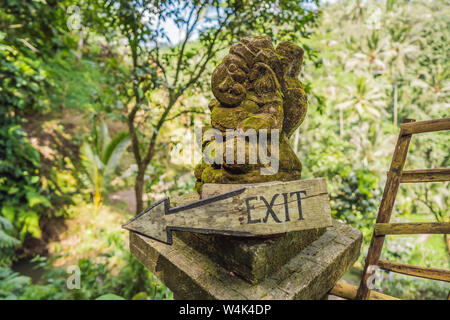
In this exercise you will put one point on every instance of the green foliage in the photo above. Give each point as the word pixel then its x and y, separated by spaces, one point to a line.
pixel 12 284
pixel 39 26
pixel 19 287
pixel 7 242
pixel 97 282
pixel 31 31
pixel 23 82
pixel 356 201
pixel 22 196
pixel 411 250
pixel 83 83
pixel 26 88
pixel 110 296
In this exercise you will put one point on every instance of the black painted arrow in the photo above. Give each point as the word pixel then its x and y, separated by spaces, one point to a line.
pixel 158 221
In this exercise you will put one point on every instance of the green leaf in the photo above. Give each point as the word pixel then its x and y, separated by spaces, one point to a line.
pixel 13 190
pixel 7 241
pixel 140 296
pixel 8 213
pixel 31 223
pixel 91 163
pixel 104 138
pixel 36 198
pixel 110 296
pixel 34 179
pixel 114 152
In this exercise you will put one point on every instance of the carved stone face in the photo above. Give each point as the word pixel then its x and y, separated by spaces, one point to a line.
pixel 228 81
pixel 255 65
pixel 255 71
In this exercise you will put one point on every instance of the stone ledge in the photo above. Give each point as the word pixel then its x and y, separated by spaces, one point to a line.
pixel 308 275
pixel 251 259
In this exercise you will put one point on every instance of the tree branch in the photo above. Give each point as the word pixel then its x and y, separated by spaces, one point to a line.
pixel 133 135
pixel 185 112
pixel 208 55
pixel 162 119
pixel 157 58
pixel 189 30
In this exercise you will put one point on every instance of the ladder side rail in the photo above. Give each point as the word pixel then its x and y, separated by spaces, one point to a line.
pixel 385 210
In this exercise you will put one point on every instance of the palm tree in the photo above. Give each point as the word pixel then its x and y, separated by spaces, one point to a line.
pixel 101 158
pixel 370 55
pixel 365 100
pixel 403 50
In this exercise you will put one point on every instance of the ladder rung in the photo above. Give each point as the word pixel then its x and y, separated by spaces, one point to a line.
pixel 348 291
pixel 425 126
pixel 412 228
pixel 429 273
pixel 425 175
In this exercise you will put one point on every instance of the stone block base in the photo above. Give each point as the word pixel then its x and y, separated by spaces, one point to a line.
pixel 251 259
pixel 308 274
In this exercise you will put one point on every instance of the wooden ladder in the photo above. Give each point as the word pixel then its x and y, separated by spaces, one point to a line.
pixel 382 227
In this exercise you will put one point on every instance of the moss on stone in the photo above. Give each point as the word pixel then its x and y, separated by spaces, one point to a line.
pixel 227 118
pixel 258 122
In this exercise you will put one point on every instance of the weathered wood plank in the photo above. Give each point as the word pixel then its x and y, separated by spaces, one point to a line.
pixel 386 206
pixel 348 291
pixel 425 126
pixel 417 271
pixel 412 228
pixel 256 210
pixel 425 175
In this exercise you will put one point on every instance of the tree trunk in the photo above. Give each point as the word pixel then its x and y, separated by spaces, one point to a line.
pixel 97 198
pixel 395 106
pixel 447 242
pixel 139 190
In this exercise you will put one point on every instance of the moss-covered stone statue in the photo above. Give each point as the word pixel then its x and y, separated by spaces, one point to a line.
pixel 256 87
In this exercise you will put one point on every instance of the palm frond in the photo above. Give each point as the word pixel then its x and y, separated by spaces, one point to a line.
pixel 114 152
pixel 7 241
pixel 5 224
pixel 104 138
pixel 91 163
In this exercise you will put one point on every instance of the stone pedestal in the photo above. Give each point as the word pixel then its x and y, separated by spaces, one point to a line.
pixel 297 265
pixel 251 259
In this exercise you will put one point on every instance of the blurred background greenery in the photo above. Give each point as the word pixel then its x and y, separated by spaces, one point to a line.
pixel 96 98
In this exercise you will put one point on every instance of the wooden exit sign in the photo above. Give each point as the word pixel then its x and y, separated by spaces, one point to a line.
pixel 248 211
